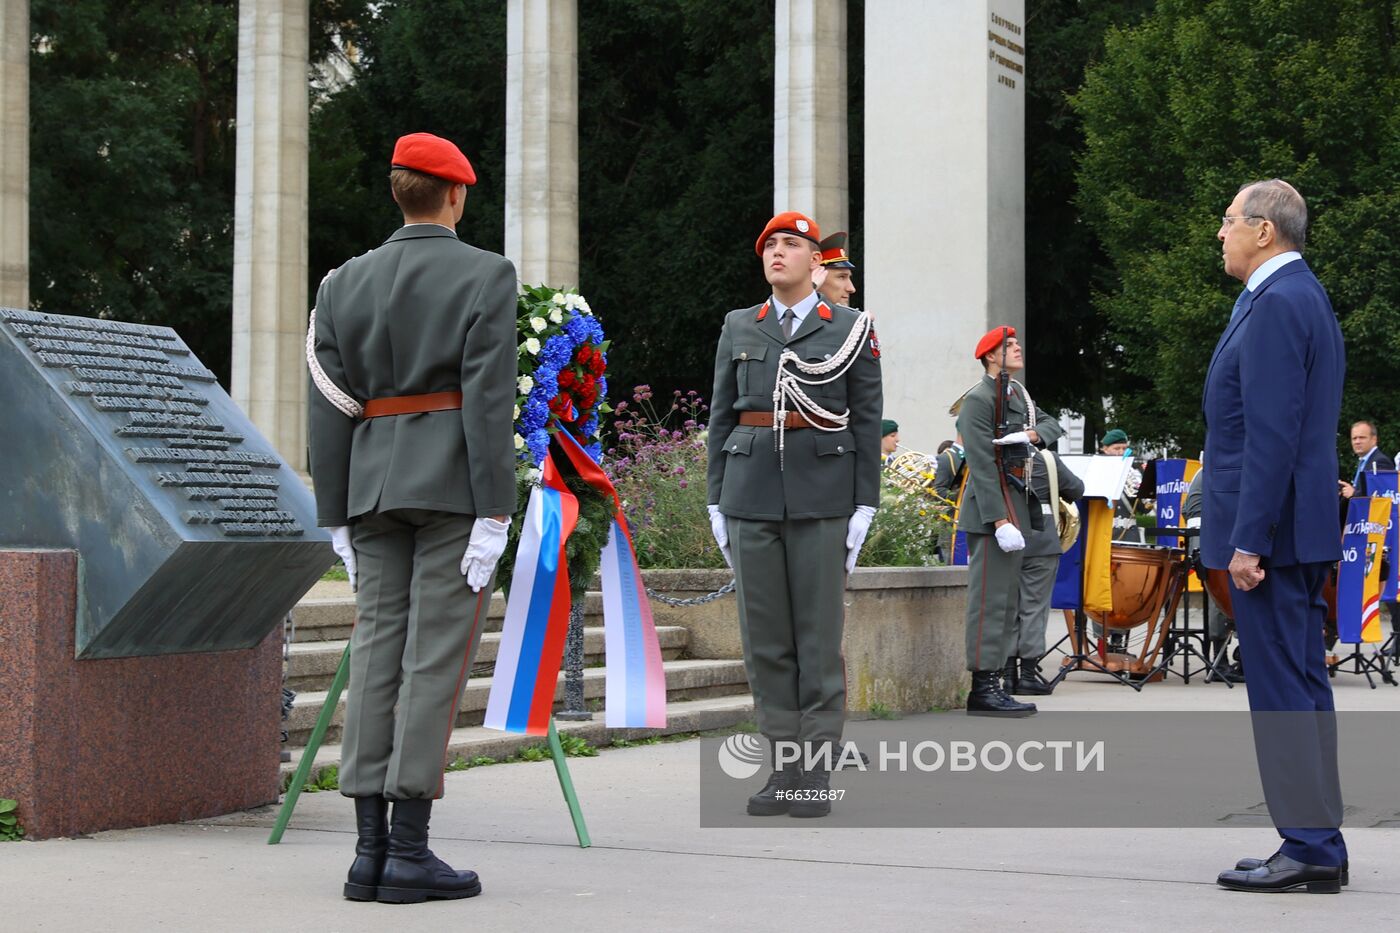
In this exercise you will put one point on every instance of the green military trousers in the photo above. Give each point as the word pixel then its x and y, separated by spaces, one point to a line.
pixel 993 595
pixel 791 580
pixel 418 627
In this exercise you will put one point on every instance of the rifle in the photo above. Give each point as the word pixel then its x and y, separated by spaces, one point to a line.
pixel 1001 429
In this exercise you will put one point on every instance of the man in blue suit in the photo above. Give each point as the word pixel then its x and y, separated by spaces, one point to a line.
pixel 1271 404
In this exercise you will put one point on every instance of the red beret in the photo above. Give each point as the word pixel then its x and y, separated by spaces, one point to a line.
pixel 789 222
pixel 991 340
pixel 433 155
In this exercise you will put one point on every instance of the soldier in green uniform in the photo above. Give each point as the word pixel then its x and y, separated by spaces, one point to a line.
pixel 947 479
pixel 417 490
pixel 997 512
pixel 793 484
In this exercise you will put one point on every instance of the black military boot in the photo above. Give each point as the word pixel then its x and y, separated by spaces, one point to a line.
pixel 988 699
pixel 372 824
pixel 776 797
pixel 1008 676
pixel 813 794
pixel 1030 682
pixel 412 873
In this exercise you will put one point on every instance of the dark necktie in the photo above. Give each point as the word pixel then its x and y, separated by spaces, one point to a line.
pixel 787 324
pixel 1239 303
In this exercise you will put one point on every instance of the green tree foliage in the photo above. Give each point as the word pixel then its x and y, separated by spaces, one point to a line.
pixel 675 157
pixel 131 164
pixel 1066 340
pixel 1202 96
pixel 132 110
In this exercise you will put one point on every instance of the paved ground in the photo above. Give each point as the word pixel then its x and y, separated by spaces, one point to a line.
pixel 653 868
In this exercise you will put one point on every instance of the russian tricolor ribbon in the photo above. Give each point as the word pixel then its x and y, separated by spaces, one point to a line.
pixel 537 613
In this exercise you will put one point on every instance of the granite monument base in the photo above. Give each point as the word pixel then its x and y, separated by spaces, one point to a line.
pixel 90 745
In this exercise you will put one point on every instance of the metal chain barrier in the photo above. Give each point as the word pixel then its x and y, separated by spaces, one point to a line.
pixel 695 600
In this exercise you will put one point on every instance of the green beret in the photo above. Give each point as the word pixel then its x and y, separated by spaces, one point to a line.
pixel 1115 436
pixel 887 427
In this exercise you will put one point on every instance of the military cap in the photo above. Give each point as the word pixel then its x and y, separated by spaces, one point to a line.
pixel 991 340
pixel 1114 436
pixel 834 254
pixel 789 222
pixel 432 155
pixel 888 426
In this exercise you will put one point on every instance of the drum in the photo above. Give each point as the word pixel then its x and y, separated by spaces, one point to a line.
pixel 1218 586
pixel 1147 581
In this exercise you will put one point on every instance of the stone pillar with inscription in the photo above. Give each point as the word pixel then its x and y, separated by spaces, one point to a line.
pixel 269 223
pixel 152 542
pixel 14 153
pixel 944 196
pixel 810 172
pixel 542 140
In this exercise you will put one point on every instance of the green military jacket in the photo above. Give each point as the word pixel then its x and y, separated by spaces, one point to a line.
pixel 825 474
pixel 422 313
pixel 948 475
pixel 984 503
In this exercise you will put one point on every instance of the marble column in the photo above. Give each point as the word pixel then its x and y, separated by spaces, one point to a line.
pixel 14 154
pixel 810 167
pixel 269 239
pixel 542 140
pixel 944 196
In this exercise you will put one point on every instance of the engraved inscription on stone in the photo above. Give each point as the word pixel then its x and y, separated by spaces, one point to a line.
pixel 129 372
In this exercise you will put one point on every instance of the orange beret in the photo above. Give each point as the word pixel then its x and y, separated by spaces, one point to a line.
pixel 991 340
pixel 433 155
pixel 789 222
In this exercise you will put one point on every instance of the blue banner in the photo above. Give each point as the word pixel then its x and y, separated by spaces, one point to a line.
pixel 1386 484
pixel 1069 577
pixel 1172 484
pixel 1358 576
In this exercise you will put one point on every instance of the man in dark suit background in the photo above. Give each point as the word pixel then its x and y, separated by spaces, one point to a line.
pixel 1271 404
pixel 1369 458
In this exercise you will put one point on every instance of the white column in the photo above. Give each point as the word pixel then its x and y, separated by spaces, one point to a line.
pixel 542 140
pixel 810 166
pixel 944 196
pixel 269 227
pixel 14 153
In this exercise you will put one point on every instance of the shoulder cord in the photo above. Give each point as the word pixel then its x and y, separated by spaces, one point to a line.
pixel 332 392
pixel 788 391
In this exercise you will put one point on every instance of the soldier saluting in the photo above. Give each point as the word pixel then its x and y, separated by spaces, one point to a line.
pixel 794 482
pixel 417 489
pixel 1000 430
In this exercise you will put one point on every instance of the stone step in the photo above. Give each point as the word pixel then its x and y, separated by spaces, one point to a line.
pixel 331 618
pixel 477 741
pixel 313 663
pixel 688 679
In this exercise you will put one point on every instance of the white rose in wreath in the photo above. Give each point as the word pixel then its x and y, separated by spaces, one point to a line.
pixel 532 345
pixel 519 442
pixel 538 324
pixel 558 298
pixel 525 384
pixel 556 316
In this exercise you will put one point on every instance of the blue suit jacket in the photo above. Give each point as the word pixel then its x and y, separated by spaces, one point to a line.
pixel 1272 400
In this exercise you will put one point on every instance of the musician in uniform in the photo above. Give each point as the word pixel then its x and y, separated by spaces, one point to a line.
pixel 998 424
pixel 417 490
pixel 793 485
pixel 947 479
pixel 889 441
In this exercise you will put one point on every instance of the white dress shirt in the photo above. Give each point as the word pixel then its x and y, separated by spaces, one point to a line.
pixel 799 310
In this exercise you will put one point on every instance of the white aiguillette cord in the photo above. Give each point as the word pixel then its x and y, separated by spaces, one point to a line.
pixel 788 388
pixel 332 392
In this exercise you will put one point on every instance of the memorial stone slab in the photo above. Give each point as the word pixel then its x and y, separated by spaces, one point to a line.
pixel 193 535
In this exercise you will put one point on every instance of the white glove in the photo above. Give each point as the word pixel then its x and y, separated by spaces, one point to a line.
pixel 1193 522
pixel 487 544
pixel 721 532
pixel 340 542
pixel 1009 538
pixel 1019 437
pixel 856 530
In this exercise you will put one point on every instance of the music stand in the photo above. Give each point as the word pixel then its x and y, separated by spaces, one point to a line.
pixel 1361 664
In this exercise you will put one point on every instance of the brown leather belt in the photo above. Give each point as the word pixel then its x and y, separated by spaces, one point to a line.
pixel 793 421
pixel 412 404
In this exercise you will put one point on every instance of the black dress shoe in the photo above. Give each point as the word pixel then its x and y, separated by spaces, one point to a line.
pixel 813 795
pixel 1249 864
pixel 1281 873
pixel 776 796
pixel 412 873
